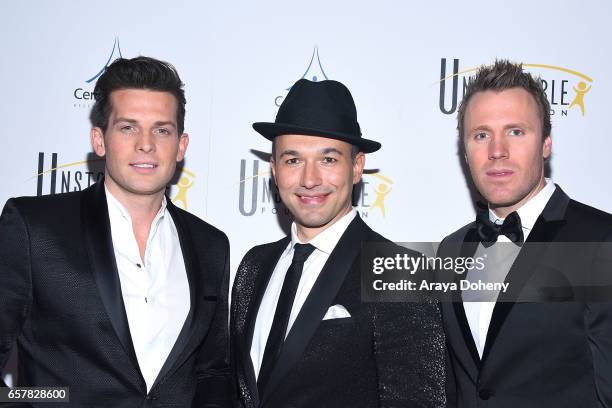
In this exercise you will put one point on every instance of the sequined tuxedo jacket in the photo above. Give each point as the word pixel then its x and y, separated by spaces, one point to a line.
pixel 61 304
pixel 547 345
pixel 384 355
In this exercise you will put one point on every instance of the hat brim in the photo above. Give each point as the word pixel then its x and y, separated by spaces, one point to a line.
pixel 270 130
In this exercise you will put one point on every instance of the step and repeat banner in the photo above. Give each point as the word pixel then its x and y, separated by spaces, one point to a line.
pixel 406 64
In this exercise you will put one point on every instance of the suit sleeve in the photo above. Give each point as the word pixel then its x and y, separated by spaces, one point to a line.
pixel 15 279
pixel 599 325
pixel 215 387
pixel 409 349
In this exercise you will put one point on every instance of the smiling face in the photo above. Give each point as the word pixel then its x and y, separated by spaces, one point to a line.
pixel 141 143
pixel 505 148
pixel 315 178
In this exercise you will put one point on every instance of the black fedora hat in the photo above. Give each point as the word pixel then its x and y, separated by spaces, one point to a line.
pixel 324 108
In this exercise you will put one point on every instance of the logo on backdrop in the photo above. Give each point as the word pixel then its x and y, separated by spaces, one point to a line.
pixel 567 89
pixel 184 183
pixel 65 177
pixel 83 96
pixel 258 193
pixel 77 175
pixel 314 72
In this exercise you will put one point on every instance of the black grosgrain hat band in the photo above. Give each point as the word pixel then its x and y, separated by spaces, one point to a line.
pixel 317 118
pixel 324 109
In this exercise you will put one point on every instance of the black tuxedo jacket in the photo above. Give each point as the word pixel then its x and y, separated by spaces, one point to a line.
pixel 61 302
pixel 543 353
pixel 384 355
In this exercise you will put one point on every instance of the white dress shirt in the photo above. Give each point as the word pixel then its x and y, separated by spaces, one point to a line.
pixel 155 289
pixel 324 244
pixel 479 313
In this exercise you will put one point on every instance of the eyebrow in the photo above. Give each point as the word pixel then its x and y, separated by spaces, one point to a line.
pixel 327 150
pixel 289 153
pixel 507 126
pixel 516 125
pixel 481 127
pixel 165 123
pixel 134 122
pixel 120 119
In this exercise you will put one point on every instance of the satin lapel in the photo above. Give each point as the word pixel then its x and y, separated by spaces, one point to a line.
pixel 544 231
pixel 99 243
pixel 468 248
pixel 194 277
pixel 270 259
pixel 319 299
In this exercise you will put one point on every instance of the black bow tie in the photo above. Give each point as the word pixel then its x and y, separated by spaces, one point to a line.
pixel 489 231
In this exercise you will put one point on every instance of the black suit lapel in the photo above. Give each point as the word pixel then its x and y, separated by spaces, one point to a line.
pixel 468 248
pixel 544 230
pixel 244 340
pixel 194 277
pixel 261 283
pixel 97 233
pixel 319 300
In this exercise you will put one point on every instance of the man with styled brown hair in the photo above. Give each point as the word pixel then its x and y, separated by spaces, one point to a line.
pixel 541 343
pixel 113 291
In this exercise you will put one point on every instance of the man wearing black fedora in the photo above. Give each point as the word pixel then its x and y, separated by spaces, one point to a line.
pixel 301 336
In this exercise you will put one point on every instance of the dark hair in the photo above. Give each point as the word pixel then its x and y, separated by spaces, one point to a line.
pixel 500 76
pixel 136 73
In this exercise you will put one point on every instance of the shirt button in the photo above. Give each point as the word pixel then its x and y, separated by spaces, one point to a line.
pixel 485 394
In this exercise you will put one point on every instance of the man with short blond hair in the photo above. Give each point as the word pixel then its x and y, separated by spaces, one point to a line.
pixel 546 341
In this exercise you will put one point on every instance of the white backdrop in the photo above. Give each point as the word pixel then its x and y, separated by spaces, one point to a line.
pixel 238 59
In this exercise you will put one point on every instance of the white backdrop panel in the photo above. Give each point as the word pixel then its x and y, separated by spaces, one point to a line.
pixel 238 59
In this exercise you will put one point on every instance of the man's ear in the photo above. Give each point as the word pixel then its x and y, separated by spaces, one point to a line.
pixel 273 167
pixel 182 147
pixel 547 147
pixel 96 136
pixel 358 165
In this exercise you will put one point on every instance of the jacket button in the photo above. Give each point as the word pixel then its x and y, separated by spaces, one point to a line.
pixel 485 394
